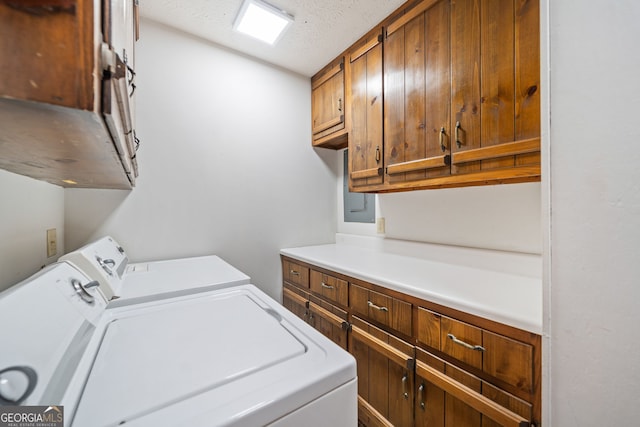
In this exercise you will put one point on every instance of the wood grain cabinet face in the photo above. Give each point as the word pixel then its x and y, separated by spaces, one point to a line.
pixel 366 137
pixel 330 287
pixel 331 321
pixel 417 99
pixel 495 78
pixel 448 396
pixel 295 273
pixel 296 302
pixel 328 105
pixel 385 375
pixel 503 358
pixel 461 341
pixel 55 88
pixel 381 308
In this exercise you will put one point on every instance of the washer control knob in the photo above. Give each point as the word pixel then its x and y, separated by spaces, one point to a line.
pixel 16 384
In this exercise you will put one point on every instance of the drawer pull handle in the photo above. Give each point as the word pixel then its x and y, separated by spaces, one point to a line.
pixel 372 305
pixel 295 273
pixel 421 396
pixel 404 386
pixel 464 344
pixel 324 285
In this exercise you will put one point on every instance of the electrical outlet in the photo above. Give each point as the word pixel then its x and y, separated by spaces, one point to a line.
pixel 52 243
pixel 380 226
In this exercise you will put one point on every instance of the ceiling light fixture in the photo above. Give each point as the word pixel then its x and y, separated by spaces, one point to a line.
pixel 262 21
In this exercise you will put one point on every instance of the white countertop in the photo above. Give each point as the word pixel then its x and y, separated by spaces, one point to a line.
pixel 502 296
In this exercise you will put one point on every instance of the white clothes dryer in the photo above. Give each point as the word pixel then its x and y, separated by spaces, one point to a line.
pixel 228 357
pixel 123 283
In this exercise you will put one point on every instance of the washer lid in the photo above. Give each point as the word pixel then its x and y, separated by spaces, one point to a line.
pixel 164 354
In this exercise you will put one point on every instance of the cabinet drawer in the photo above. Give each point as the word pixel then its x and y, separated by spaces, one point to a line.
pixel 508 360
pixel 503 358
pixel 381 308
pixel 295 273
pixel 428 328
pixel 330 287
pixel 461 341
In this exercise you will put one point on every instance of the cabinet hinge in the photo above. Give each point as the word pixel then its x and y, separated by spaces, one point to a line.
pixel 380 38
pixel 112 65
pixel 411 364
pixel 346 326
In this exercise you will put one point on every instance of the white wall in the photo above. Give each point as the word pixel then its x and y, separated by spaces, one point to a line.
pixel 28 209
pixel 500 217
pixel 226 163
pixel 593 254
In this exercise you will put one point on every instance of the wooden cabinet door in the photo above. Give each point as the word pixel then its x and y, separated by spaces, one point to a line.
pixel 447 396
pixel 385 375
pixel 327 100
pixel 330 321
pixel 494 85
pixel 417 94
pixel 296 302
pixel 366 139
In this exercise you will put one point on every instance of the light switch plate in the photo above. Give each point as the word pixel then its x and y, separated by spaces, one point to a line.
pixel 52 243
pixel 380 226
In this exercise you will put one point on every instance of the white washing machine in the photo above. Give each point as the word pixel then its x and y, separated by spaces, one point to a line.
pixel 124 283
pixel 229 357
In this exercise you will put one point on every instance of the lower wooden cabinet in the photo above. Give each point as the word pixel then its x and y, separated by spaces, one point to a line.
pixel 420 364
pixel 449 396
pixel 330 320
pixel 385 374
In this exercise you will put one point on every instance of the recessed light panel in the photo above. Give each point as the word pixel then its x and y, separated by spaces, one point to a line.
pixel 262 21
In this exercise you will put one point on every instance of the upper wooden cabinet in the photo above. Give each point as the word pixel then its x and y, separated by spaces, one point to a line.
pixel 417 94
pixel 328 106
pixel 495 79
pixel 67 83
pixel 365 98
pixel 449 96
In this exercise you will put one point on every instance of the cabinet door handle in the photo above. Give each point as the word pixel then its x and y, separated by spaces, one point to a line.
pixel 421 395
pixel 377 153
pixel 294 273
pixel 340 104
pixel 442 146
pixel 464 344
pixel 372 305
pixel 324 285
pixel 458 142
pixel 405 394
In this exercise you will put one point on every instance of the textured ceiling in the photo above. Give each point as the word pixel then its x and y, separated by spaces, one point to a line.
pixel 322 29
